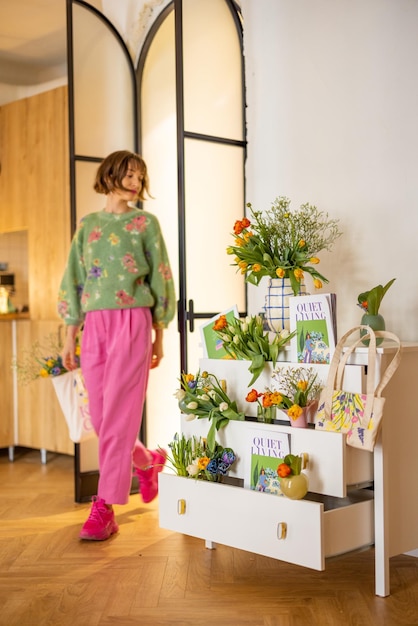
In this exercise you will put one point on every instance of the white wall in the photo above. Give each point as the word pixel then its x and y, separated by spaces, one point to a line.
pixel 332 119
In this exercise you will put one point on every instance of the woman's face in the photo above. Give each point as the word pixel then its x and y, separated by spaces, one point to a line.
pixel 132 183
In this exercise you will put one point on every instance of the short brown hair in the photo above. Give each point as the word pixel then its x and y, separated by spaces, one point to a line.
pixel 113 169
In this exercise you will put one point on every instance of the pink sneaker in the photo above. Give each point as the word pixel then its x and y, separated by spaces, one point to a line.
pixel 148 476
pixel 100 523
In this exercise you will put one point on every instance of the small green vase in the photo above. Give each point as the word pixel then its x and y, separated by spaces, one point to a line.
pixel 376 322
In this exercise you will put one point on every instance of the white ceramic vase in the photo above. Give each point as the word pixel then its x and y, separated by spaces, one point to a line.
pixel 276 304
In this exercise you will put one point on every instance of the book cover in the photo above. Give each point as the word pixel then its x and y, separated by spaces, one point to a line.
pixel 314 319
pixel 213 347
pixel 267 450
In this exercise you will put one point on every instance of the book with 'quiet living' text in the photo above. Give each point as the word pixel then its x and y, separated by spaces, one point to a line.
pixel 314 319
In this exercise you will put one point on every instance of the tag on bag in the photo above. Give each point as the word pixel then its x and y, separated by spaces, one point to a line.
pixel 72 396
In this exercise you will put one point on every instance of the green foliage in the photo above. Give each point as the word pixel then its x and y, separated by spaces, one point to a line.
pixel 371 300
pixel 246 339
pixel 283 243
pixel 203 396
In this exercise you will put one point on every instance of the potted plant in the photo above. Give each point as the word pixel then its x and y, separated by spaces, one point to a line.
pixel 267 403
pixel 369 302
pixel 300 391
pixel 281 243
pixel 293 482
pixel 192 457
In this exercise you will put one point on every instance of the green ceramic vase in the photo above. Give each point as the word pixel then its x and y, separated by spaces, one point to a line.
pixel 376 322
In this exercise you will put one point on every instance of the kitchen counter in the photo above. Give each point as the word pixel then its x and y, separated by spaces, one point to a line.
pixel 9 317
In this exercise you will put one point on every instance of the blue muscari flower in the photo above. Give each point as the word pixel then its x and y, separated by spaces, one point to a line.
pixel 223 468
pixel 212 466
pixel 192 384
pixel 56 371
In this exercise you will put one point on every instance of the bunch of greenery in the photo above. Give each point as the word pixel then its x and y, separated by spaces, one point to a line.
pixel 291 466
pixel 246 339
pixel 281 243
pixel 192 457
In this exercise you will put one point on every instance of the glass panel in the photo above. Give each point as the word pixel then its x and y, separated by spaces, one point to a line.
pixel 159 148
pixel 212 70
pixel 214 200
pixel 87 200
pixel 103 91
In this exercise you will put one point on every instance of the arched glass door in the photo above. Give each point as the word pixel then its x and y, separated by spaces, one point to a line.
pixel 192 135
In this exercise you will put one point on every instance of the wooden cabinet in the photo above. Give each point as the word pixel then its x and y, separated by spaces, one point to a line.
pixel 6 385
pixel 34 190
pixel 40 424
pixel 35 197
pixel 355 497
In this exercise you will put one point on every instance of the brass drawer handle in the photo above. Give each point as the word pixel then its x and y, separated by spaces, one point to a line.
pixel 281 530
pixel 181 507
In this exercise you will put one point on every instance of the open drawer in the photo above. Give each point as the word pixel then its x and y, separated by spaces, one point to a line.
pixel 303 532
pixel 332 467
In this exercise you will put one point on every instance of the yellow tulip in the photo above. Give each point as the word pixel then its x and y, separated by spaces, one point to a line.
pixel 317 283
pixel 314 260
pixel 298 274
pixel 295 411
pixel 256 267
pixel 280 272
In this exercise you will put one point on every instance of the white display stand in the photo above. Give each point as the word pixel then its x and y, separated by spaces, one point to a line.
pixel 355 498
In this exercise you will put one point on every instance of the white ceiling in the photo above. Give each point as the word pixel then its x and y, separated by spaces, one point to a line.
pixel 32 41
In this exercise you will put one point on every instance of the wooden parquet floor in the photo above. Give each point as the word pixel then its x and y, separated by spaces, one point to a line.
pixel 148 576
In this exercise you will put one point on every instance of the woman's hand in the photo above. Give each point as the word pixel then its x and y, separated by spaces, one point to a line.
pixel 157 348
pixel 68 351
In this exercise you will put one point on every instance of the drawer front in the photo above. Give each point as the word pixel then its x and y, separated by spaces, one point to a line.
pixel 243 519
pixel 296 531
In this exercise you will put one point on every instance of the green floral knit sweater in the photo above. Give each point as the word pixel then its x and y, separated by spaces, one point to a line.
pixel 117 261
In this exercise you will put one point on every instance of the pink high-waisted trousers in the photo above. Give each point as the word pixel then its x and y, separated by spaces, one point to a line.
pixel 115 361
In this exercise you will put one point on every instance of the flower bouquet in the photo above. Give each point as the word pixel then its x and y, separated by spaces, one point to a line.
pixel 246 339
pixel 281 243
pixel 298 387
pixel 204 396
pixel 43 360
pixel 267 403
pixel 192 457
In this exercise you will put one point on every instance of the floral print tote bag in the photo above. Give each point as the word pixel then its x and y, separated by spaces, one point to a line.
pixel 358 415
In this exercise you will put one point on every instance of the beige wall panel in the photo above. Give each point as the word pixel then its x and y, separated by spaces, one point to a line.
pixel 14 167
